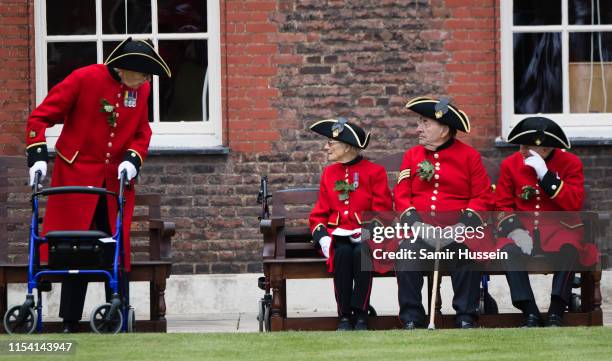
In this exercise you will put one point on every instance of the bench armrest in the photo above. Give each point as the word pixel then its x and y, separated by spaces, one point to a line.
pixel 160 239
pixel 274 237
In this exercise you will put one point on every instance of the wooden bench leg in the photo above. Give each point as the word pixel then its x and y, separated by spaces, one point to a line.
pixel 278 309
pixel 590 296
pixel 586 291
pixel 3 300
pixel 3 296
pixel 597 315
pixel 283 296
pixel 597 290
pixel 157 301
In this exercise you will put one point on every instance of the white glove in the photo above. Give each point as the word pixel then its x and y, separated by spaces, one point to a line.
pixel 356 238
pixel 536 162
pixel 522 239
pixel 129 168
pixel 325 243
pixel 458 230
pixel 41 166
pixel 449 237
pixel 365 234
pixel 426 233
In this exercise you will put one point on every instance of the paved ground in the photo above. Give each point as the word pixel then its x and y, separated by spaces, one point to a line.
pixel 241 322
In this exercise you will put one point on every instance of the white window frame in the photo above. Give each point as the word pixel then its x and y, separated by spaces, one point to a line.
pixel 179 135
pixel 575 125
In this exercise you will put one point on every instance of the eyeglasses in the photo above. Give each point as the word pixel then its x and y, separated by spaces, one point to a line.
pixel 423 123
pixel 332 142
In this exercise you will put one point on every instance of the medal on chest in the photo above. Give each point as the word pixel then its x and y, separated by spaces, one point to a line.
pixel 129 98
pixel 356 180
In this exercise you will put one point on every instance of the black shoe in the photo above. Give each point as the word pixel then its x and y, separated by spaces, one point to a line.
pixel 465 324
pixel 69 326
pixel 344 324
pixel 532 321
pixel 554 320
pixel 410 325
pixel 361 324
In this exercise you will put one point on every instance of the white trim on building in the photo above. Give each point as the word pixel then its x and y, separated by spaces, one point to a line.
pixel 166 135
pixel 576 125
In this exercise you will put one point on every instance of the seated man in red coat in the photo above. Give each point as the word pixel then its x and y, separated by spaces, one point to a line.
pixel 539 178
pixel 349 188
pixel 442 183
pixel 105 116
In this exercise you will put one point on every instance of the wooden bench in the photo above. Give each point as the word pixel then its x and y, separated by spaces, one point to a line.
pixel 150 240
pixel 288 253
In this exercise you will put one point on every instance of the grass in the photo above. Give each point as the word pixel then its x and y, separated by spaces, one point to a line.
pixel 573 344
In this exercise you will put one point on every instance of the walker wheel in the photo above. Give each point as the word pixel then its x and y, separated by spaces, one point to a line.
pixel 99 323
pixel 13 323
pixel 131 320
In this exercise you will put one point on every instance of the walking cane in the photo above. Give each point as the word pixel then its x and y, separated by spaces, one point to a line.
pixel 434 292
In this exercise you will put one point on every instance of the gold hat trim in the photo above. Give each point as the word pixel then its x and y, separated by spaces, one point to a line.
pixel 162 63
pixel 346 125
pixel 567 145
pixel 465 121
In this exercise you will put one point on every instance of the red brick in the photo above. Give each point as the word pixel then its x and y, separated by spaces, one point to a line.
pixel 433 35
pixel 261 28
pixel 260 70
pixel 13 20
pixel 260 5
pixel 287 59
pixel 260 49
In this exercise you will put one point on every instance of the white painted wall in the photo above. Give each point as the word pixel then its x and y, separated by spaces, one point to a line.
pixel 235 293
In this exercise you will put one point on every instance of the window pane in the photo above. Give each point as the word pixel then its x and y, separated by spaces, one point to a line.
pixel 63 58
pixel 107 47
pixel 590 72
pixel 581 13
pixel 180 97
pixel 182 16
pixel 71 17
pixel 540 12
pixel 113 15
pixel 537 73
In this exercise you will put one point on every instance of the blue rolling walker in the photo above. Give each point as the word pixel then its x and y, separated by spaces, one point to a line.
pixel 89 252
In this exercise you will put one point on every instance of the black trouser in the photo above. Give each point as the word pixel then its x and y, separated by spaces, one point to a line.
pixel 518 280
pixel 410 273
pixel 352 276
pixel 74 287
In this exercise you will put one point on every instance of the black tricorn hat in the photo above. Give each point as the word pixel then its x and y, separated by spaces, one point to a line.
pixel 138 55
pixel 441 111
pixel 343 131
pixel 539 131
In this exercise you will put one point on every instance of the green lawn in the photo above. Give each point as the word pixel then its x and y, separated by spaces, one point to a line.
pixel 481 344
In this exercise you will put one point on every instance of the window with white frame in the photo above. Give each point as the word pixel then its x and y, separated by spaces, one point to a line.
pixel 186 109
pixel 556 60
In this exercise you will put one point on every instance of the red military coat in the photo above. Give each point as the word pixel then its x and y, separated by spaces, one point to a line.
pixel 89 149
pixel 458 190
pixel 372 194
pixel 561 189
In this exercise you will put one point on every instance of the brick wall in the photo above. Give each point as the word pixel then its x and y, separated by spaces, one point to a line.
pixel 288 63
pixel 16 62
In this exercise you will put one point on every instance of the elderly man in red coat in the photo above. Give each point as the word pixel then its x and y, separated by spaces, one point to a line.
pixel 350 188
pixel 104 111
pixel 541 177
pixel 442 183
